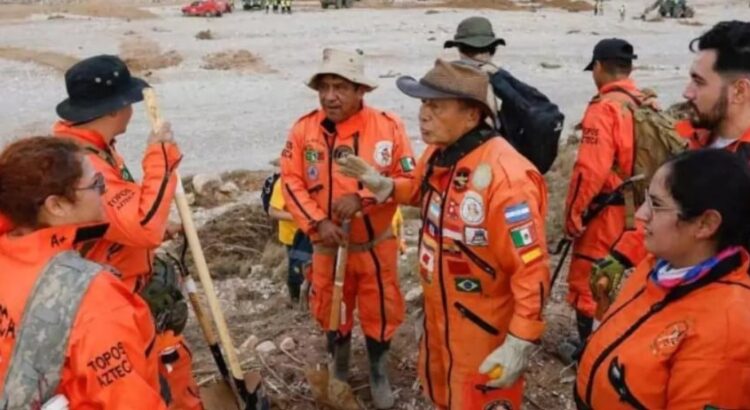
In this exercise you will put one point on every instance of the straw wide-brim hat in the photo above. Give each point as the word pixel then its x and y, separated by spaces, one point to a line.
pixel 348 65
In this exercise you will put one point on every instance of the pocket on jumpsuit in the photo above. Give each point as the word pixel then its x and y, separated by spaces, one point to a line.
pixel 476 395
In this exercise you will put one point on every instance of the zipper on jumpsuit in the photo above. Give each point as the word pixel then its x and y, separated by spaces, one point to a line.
pixel 331 145
pixel 428 376
pixel 373 255
pixel 596 365
pixel 442 283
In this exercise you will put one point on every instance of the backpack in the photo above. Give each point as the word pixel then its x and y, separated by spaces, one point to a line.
pixel 528 119
pixel 655 140
pixel 265 193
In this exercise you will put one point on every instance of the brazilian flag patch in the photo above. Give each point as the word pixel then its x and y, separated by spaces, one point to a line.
pixel 468 285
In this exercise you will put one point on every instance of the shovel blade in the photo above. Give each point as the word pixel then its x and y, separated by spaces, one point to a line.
pixel 329 391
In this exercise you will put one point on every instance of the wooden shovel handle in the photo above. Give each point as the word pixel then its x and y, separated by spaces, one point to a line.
pixel 334 321
pixel 191 234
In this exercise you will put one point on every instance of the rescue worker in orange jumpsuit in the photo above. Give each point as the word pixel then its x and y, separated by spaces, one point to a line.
pixel 717 121
pixel 320 200
pixel 482 251
pixel 103 356
pixel 99 107
pixel 676 337
pixel 605 159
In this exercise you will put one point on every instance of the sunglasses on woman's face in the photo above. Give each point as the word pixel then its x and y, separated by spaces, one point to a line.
pixel 97 184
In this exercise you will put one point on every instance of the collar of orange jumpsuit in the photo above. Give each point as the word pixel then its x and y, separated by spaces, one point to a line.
pixel 681 348
pixel 68 129
pixel 626 84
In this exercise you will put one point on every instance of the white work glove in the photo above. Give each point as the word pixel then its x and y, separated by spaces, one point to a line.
pixel 356 167
pixel 511 357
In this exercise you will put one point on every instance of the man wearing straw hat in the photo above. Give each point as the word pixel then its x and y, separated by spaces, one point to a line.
pixel 321 199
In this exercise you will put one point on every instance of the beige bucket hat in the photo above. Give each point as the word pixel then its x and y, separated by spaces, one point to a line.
pixel 348 65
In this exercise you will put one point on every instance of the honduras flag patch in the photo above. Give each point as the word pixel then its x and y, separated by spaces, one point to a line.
pixel 517 213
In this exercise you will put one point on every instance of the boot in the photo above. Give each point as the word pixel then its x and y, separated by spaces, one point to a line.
pixel 339 348
pixel 380 386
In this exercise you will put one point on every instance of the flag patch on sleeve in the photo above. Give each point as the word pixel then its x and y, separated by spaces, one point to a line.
pixel 531 255
pixel 517 213
pixel 523 236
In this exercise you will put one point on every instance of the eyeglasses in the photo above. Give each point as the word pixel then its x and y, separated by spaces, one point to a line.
pixel 97 184
pixel 653 208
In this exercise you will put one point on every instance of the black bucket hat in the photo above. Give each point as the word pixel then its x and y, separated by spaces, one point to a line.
pixel 474 32
pixel 98 86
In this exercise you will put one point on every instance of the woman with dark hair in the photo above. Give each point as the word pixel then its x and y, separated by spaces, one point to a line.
pixel 677 336
pixel 69 329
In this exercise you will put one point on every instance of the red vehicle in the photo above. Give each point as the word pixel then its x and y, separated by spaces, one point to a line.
pixel 207 8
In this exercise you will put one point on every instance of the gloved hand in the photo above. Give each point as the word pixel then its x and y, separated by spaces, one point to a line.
pixel 606 275
pixel 356 167
pixel 512 357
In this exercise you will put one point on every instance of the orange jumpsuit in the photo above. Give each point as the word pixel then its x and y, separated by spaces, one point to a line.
pixel 632 243
pixel 138 215
pixel 483 263
pixel 312 184
pixel 655 351
pixel 111 322
pixel 607 142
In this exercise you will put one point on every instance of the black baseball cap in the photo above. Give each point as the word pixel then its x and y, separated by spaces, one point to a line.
pixel 609 49
pixel 98 86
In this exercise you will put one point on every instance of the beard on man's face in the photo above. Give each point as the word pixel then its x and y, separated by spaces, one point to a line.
pixel 711 118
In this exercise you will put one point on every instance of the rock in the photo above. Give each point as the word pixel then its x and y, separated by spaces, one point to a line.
pixel 229 187
pixel 265 347
pixel 190 196
pixel 257 270
pixel 203 184
pixel 287 344
pixel 414 294
pixel 249 343
pixel 205 35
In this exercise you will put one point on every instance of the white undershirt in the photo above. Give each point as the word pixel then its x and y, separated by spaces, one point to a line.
pixel 721 143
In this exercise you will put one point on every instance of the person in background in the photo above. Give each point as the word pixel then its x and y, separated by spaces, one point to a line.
pixel 298 246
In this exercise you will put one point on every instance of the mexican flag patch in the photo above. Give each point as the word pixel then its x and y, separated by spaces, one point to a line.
pixel 523 235
pixel 407 164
